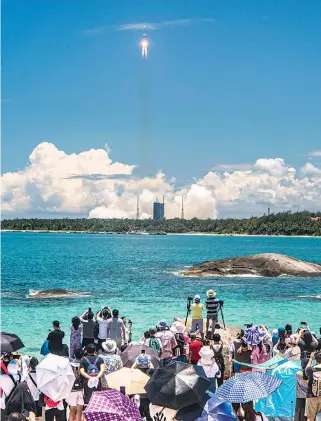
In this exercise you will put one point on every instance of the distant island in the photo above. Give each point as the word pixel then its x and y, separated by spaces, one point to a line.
pixel 285 223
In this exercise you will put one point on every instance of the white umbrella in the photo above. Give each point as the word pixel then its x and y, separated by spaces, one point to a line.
pixel 55 377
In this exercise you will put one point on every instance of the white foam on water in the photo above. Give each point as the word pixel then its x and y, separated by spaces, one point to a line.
pixel 316 296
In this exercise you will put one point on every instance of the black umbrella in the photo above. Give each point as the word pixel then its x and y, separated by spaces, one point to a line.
pixel 177 385
pixel 10 342
pixel 191 412
pixel 132 351
pixel 21 399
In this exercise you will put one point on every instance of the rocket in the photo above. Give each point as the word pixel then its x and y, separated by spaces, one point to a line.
pixel 144 44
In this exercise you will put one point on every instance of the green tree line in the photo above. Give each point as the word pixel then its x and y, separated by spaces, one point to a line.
pixel 285 223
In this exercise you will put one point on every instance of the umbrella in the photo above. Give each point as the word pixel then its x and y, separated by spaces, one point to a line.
pixel 249 386
pixel 177 385
pixel 10 342
pixel 111 405
pixel 253 335
pixel 191 412
pixel 134 380
pixel 130 354
pixel 178 327
pixel 20 399
pixel 55 377
pixel 217 410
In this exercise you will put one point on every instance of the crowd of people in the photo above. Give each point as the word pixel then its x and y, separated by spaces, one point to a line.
pixel 98 341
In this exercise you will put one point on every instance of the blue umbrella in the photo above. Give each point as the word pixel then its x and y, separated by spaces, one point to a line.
pixel 249 386
pixel 217 410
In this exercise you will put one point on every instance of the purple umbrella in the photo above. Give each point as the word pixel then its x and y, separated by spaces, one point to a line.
pixel 111 405
pixel 253 335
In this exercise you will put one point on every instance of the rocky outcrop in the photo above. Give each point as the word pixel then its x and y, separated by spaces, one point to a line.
pixel 269 265
pixel 52 293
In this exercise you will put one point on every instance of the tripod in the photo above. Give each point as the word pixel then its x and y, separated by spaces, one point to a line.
pixel 188 307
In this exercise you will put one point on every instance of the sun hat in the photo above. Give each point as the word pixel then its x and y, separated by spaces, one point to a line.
pixel 197 298
pixel 109 346
pixel 211 293
pixel 206 355
pixel 152 330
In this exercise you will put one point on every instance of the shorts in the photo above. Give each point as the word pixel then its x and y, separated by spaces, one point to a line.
pixel 212 317
pixel 75 398
pixel 312 407
pixel 198 322
pixel 38 412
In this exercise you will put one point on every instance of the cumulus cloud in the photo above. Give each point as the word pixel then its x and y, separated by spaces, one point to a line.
pixel 315 153
pixel 91 184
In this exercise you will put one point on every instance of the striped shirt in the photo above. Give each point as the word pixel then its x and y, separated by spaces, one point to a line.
pixel 212 305
pixel 301 385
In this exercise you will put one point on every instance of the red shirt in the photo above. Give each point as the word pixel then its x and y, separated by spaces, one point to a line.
pixel 194 350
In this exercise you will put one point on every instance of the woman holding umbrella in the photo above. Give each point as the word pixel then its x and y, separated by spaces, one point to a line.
pixel 248 413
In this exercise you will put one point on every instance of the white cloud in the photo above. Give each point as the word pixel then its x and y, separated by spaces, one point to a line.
pixel 91 184
pixel 315 153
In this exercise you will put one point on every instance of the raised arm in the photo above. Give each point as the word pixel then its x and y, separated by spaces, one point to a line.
pixel 83 315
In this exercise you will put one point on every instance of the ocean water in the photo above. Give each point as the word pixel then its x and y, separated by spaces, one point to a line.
pixel 139 275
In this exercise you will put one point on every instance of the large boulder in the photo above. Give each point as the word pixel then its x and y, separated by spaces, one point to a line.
pixel 269 265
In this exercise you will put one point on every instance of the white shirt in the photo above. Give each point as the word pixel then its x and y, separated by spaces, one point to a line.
pixel 6 384
pixel 102 327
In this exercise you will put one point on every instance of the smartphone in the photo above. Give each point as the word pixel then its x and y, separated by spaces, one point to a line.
pixel 16 357
pixel 122 390
pixel 304 323
pixel 25 413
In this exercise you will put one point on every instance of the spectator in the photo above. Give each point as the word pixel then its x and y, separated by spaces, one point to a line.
pixel 32 384
pixel 54 410
pixel 212 306
pixel 243 355
pixel 307 343
pixel 194 349
pixel 313 401
pixel 55 338
pixel 76 398
pixel 76 330
pixel 88 322
pixel 103 317
pixel 219 352
pixel 92 368
pixel 248 413
pixel 210 366
pixel 126 338
pixel 154 342
pixel 111 360
pixel 116 329
pixel 197 316
pixel 168 341
pixel 143 362
pixel 301 392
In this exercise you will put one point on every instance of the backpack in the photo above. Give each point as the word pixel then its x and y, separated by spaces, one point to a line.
pixel 219 359
pixel 154 344
pixel 92 369
pixel 316 383
pixel 179 349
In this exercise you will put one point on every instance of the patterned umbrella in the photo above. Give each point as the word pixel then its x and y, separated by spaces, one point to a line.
pixel 111 405
pixel 10 342
pixel 130 354
pixel 246 387
pixel 253 335
pixel 217 410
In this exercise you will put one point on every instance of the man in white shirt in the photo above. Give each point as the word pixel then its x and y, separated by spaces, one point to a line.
pixel 102 319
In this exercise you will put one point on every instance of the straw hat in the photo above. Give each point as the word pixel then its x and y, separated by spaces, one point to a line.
pixel 211 293
pixel 109 346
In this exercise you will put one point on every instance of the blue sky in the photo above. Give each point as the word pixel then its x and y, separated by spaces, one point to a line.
pixel 243 86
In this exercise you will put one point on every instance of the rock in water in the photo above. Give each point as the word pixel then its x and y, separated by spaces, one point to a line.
pixel 51 293
pixel 269 265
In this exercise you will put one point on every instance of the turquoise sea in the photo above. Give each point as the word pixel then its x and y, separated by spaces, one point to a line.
pixel 139 276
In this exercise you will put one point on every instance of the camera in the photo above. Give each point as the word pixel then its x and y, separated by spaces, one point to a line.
pixel 248 325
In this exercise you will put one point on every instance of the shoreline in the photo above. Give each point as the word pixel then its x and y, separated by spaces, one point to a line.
pixel 170 233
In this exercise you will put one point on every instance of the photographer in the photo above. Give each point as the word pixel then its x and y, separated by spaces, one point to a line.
pixel 307 343
pixel 103 317
pixel 88 321
pixel 213 306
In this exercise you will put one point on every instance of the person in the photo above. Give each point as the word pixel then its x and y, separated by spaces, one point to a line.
pixel 307 343
pixel 76 329
pixel 248 413
pixel 116 329
pixel 154 342
pixel 88 322
pixel 275 337
pixel 55 338
pixel 16 416
pixel 20 399
pixel 301 392
pixel 212 306
pixel 313 401
pixel 281 349
pixel 210 366
pixel 32 384
pixel 168 342
pixel 179 330
pixel 76 398
pixel 219 351
pixel 243 355
pixel 126 338
pixel 197 316
pixel 236 344
pixel 54 410
pixel 143 362
pixel 92 368
pixel 194 349
pixel 259 354
pixel 103 317
pixel 111 360
pixel 144 340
